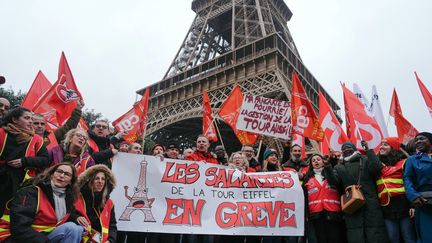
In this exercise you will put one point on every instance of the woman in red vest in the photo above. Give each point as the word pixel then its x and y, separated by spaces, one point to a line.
pixel 323 201
pixel 73 149
pixel 391 192
pixel 22 152
pixel 39 212
pixel 96 184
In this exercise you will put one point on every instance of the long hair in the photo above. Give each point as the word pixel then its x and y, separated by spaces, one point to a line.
pixel 87 177
pixel 392 157
pixel 14 113
pixel 278 165
pixel 45 177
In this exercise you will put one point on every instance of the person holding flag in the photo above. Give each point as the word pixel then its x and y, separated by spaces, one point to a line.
pixel 391 192
pixel 367 223
pixel 100 147
pixel 52 138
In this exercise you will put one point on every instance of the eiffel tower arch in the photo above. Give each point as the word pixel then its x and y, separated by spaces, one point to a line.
pixel 244 42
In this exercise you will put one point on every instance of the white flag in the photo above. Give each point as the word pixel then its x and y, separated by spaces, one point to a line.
pixel 377 113
pixel 360 95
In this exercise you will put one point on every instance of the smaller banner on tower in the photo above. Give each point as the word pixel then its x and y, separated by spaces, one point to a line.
pixel 265 116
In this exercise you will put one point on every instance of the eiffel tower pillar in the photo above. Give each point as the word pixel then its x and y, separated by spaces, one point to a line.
pixel 243 42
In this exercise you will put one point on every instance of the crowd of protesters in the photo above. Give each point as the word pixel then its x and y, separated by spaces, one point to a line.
pixel 55 186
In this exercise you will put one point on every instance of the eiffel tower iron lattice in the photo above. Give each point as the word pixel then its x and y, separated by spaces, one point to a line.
pixel 244 42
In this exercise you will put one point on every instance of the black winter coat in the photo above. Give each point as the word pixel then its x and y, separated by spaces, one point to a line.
pixel 366 224
pixel 23 211
pixel 105 153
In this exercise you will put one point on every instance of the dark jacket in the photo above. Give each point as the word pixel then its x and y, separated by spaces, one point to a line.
pixel 366 224
pixel 23 211
pixel 105 153
pixel 11 178
pixel 295 165
pixel 70 124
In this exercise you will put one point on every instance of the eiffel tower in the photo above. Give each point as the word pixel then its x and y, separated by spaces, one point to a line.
pixel 244 42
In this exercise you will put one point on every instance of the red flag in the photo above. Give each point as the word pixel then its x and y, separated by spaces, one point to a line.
pixel 334 135
pixel 208 127
pixel 60 100
pixel 405 130
pixel 304 120
pixel 360 126
pixel 229 112
pixel 134 122
pixel 40 85
pixel 427 96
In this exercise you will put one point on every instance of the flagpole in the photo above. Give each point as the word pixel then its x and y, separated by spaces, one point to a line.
pixel 217 129
pixel 259 150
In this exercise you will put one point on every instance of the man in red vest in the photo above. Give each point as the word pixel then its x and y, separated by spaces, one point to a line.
pixel 201 153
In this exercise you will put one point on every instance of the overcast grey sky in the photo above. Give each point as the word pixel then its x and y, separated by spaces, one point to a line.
pixel 117 47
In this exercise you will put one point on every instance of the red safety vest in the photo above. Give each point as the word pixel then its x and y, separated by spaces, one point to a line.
pixel 82 165
pixel 322 197
pixel 390 184
pixel 33 147
pixel 45 220
pixel 104 218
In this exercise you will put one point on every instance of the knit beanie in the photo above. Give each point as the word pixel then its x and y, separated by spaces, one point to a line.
pixel 350 145
pixel 269 152
pixel 393 142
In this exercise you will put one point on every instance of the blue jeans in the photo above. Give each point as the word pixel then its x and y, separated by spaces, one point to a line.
pixel 404 227
pixel 65 233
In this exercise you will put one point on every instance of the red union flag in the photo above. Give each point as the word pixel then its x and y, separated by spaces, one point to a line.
pixel 61 99
pixel 405 130
pixel 360 126
pixel 304 120
pixel 208 127
pixel 229 112
pixel 427 96
pixel 133 123
pixel 333 133
pixel 40 85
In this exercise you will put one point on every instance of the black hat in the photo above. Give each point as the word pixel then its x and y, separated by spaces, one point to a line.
pixel 173 145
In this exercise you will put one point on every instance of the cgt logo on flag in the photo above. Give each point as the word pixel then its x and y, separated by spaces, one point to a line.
pixel 64 93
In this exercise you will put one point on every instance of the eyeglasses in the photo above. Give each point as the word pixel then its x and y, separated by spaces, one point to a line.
pixel 65 173
pixel 39 123
pixel 248 151
pixel 79 135
pixel 101 126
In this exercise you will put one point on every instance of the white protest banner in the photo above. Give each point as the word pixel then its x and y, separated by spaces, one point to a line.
pixel 265 116
pixel 178 196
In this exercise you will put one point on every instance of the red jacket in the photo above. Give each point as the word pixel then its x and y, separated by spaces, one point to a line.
pixel 202 156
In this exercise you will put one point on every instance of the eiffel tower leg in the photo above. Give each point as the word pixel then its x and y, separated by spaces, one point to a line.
pixel 148 216
pixel 126 214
